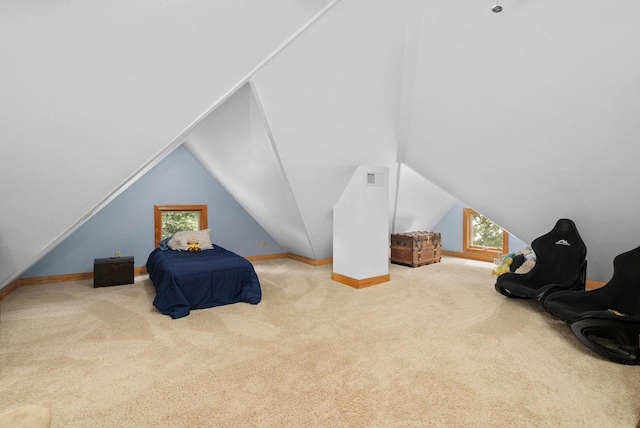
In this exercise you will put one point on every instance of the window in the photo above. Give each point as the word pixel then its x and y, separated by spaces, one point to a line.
pixel 481 236
pixel 169 219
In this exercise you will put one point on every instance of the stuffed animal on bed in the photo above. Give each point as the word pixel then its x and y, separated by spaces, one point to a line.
pixel 192 245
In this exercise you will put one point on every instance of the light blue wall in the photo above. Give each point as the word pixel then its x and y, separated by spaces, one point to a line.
pixel 126 224
pixel 450 226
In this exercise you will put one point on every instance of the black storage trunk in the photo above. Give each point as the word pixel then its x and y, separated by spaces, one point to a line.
pixel 112 271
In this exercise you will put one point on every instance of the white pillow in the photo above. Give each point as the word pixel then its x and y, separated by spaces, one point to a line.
pixel 179 239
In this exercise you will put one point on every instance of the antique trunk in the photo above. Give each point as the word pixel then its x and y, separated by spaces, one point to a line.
pixel 415 248
pixel 112 271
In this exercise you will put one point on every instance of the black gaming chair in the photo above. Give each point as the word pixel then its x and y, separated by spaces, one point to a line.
pixel 560 265
pixel 606 320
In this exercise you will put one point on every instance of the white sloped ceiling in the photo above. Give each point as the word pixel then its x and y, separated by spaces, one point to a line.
pixel 531 115
pixel 286 144
pixel 420 204
pixel 234 144
pixel 331 99
pixel 528 115
pixel 93 92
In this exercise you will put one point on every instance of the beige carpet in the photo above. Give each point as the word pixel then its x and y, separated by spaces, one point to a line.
pixel 436 346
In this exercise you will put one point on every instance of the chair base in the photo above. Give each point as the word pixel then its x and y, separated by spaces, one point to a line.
pixel 508 293
pixel 523 286
pixel 539 294
pixel 614 340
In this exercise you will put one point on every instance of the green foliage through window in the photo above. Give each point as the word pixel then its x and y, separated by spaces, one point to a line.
pixel 176 221
pixel 485 233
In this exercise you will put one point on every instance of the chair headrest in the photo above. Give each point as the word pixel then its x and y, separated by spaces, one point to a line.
pixel 564 225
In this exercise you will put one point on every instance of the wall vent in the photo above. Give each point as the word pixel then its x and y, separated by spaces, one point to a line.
pixel 374 179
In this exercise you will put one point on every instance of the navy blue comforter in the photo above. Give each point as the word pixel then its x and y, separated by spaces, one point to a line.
pixel 186 281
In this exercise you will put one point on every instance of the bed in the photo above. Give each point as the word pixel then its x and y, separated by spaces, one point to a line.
pixel 185 280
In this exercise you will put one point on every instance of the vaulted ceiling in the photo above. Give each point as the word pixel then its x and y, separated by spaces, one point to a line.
pixel 528 115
